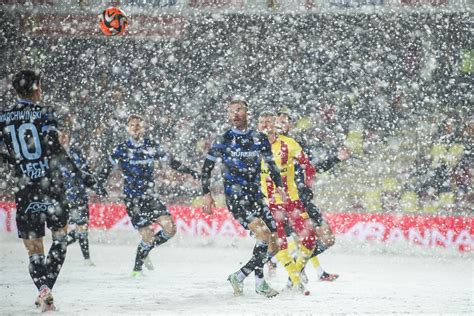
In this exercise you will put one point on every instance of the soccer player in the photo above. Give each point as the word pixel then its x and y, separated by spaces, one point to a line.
pixel 324 233
pixel 287 152
pixel 28 131
pixel 241 149
pixel 77 198
pixel 136 157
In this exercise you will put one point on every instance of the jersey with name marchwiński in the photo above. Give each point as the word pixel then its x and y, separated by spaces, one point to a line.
pixel 137 163
pixel 241 153
pixel 29 133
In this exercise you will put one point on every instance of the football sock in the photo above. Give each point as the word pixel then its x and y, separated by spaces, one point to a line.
pixel 293 248
pixel 143 250
pixel 287 261
pixel 317 266
pixel 319 249
pixel 303 257
pixel 55 259
pixel 258 259
pixel 38 270
pixel 259 271
pixel 83 238
pixel 258 280
pixel 274 260
pixel 240 275
pixel 71 237
pixel 160 238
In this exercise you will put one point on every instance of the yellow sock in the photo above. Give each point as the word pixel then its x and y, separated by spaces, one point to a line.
pixel 303 257
pixel 285 259
pixel 315 262
pixel 317 266
pixel 292 246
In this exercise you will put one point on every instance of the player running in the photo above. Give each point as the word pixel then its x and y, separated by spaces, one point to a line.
pixel 287 152
pixel 324 233
pixel 77 198
pixel 136 158
pixel 241 149
pixel 28 131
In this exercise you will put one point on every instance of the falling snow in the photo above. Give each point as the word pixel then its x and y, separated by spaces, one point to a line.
pixel 389 80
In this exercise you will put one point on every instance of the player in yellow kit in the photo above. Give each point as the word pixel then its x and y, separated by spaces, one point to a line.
pixel 286 152
pixel 325 236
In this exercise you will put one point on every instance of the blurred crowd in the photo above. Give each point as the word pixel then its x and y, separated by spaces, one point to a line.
pixel 351 80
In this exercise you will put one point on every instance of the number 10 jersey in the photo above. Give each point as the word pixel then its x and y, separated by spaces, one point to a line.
pixel 29 134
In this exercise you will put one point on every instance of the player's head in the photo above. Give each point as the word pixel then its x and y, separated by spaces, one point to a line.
pixel 27 84
pixel 135 126
pixel 238 111
pixel 283 121
pixel 266 122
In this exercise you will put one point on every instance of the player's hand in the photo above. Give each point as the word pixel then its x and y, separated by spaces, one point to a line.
pixel 208 203
pixel 282 194
pixel 343 154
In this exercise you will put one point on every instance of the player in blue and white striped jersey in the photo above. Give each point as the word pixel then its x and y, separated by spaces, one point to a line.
pixel 137 157
pixel 241 150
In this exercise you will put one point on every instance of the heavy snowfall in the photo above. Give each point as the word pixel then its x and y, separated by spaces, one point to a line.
pixel 391 81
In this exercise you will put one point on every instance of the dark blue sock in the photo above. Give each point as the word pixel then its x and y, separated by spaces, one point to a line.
pixel 37 269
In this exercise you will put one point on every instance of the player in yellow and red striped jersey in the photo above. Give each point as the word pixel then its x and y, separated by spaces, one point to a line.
pixel 287 152
pixel 325 236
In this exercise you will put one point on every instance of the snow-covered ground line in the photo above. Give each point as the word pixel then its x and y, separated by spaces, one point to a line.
pixel 190 278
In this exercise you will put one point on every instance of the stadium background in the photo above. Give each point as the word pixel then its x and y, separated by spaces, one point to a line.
pixel 390 80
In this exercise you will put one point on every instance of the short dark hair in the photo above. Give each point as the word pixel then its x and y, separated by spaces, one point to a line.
pixel 135 117
pixel 266 113
pixel 241 102
pixel 284 110
pixel 25 82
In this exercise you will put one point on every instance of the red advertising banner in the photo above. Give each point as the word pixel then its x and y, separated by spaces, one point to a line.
pixel 427 231
pixel 455 232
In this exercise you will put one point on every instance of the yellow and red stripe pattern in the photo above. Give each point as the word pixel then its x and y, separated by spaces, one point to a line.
pixel 286 152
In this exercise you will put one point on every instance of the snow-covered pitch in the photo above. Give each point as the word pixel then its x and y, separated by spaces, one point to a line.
pixel 190 278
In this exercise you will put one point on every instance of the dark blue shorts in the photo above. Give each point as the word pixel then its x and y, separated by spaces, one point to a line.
pixel 36 207
pixel 246 208
pixel 144 210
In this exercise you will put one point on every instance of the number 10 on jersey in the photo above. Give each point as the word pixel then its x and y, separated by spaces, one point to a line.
pixel 25 141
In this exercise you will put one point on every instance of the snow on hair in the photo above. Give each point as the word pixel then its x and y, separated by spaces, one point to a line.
pixel 135 117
